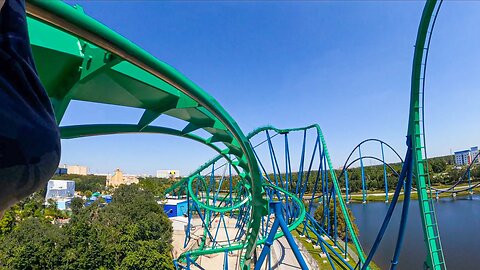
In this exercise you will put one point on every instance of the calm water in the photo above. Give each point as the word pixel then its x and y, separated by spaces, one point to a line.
pixel 459 223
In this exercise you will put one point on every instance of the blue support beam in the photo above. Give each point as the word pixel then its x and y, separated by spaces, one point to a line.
pixel 280 222
pixel 385 180
pixel 364 186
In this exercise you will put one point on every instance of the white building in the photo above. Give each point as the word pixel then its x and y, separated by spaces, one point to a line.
pixel 474 153
pixel 168 173
pixel 61 191
pixel 76 169
pixel 465 157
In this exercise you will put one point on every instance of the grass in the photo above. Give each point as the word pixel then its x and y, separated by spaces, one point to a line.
pixel 323 262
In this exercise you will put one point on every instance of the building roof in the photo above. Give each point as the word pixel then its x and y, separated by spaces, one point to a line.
pixel 174 201
pixel 59 180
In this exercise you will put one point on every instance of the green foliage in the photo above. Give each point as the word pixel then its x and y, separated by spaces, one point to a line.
pixel 76 205
pixel 156 186
pixel 437 165
pixel 51 212
pixel 321 218
pixel 130 233
pixel 34 244
pixel 85 182
pixel 146 258
pixel 87 193
pixel 7 222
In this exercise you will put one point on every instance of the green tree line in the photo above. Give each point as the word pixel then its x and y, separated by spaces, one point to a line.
pixel 442 170
pixel 132 232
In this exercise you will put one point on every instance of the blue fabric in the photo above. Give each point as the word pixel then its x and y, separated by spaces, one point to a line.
pixel 29 136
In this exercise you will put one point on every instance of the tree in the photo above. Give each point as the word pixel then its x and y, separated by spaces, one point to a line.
pixel 132 231
pixel 76 205
pixel 145 258
pixel 87 193
pixel 438 165
pixel 7 222
pixel 34 244
pixel 320 217
pixel 156 186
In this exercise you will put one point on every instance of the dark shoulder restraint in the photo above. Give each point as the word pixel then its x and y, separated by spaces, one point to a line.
pixel 29 136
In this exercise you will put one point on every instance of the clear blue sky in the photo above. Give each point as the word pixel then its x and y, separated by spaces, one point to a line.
pixel 344 65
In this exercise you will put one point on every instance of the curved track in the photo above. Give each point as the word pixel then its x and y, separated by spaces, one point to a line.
pixel 80 59
pixel 294 189
pixel 416 133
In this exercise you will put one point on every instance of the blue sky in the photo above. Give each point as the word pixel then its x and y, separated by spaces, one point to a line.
pixel 344 65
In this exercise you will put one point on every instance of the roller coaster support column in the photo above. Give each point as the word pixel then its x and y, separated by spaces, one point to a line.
pixel 384 174
pixel 280 221
pixel 406 169
pixel 346 187
pixel 469 182
pixel 225 260
pixel 364 188
pixel 406 203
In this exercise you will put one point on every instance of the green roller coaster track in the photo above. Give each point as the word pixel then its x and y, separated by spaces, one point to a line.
pixel 416 131
pixel 333 176
pixel 80 59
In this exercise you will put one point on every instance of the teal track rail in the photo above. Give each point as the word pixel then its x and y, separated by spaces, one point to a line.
pixel 239 246
pixel 78 58
pixel 416 130
pixel 188 180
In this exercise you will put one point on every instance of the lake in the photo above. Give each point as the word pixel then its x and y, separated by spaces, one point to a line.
pixel 458 221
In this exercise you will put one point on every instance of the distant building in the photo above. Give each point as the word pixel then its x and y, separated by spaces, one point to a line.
pixel 175 208
pixel 119 178
pixel 465 157
pixel 168 173
pixel 61 171
pixel 61 191
pixel 474 153
pixel 76 169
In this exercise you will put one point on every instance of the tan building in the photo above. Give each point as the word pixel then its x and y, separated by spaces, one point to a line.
pixel 118 178
pixel 76 169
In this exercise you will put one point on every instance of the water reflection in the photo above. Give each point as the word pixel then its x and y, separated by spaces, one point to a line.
pixel 459 219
